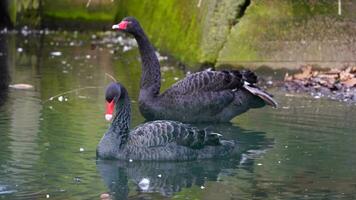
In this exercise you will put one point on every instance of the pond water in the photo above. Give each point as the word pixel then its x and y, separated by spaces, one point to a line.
pixel 303 150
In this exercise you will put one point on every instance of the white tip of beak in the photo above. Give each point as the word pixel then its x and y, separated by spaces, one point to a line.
pixel 115 26
pixel 246 83
pixel 108 117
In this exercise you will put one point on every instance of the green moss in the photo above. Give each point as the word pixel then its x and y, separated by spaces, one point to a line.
pixel 173 26
pixel 79 15
pixel 78 10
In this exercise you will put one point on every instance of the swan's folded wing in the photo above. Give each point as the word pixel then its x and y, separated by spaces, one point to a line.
pixel 207 81
pixel 161 133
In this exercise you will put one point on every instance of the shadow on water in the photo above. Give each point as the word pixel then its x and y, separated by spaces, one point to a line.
pixel 4 71
pixel 123 178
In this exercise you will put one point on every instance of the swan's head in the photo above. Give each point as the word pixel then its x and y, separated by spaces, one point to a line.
pixel 128 24
pixel 112 94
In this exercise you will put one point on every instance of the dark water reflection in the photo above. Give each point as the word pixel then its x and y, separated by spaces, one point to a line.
pixel 303 150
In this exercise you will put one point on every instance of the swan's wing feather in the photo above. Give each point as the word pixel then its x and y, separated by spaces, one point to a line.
pixel 163 132
pixel 207 81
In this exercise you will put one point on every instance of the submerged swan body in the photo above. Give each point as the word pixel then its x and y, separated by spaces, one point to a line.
pixel 156 140
pixel 207 96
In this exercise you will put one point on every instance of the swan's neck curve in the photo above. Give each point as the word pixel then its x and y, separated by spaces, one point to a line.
pixel 151 74
pixel 120 126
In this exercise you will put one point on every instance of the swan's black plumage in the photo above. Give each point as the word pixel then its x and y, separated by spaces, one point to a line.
pixel 207 96
pixel 157 140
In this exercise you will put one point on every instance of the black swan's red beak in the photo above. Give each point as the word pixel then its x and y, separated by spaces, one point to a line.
pixel 109 110
pixel 121 26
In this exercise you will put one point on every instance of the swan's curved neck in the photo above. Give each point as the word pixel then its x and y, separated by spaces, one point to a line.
pixel 120 125
pixel 151 74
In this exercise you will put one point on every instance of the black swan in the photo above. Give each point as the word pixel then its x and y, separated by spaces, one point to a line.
pixel 156 140
pixel 207 96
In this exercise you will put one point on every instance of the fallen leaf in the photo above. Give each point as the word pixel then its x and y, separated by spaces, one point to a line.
pixel 350 82
pixel 21 86
pixel 306 73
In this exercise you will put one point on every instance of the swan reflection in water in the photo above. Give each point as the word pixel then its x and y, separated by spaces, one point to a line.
pixel 167 178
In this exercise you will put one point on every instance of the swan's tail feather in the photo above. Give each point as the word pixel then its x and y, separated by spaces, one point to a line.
pixel 262 94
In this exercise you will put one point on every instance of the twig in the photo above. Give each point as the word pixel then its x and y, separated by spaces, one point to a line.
pixel 110 76
pixel 199 3
pixel 70 91
pixel 77 89
pixel 88 3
